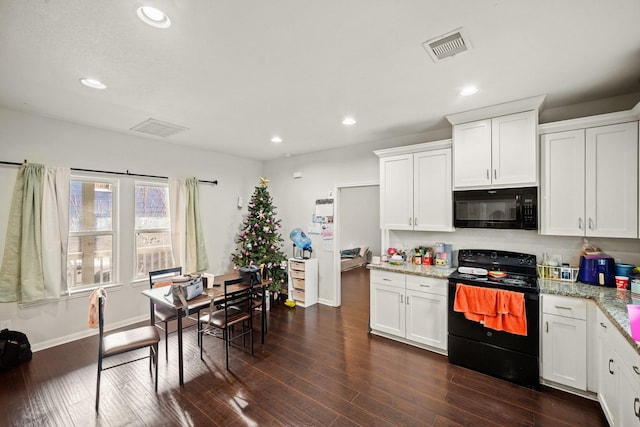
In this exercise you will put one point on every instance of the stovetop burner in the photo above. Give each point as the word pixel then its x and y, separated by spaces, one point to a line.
pixel 519 269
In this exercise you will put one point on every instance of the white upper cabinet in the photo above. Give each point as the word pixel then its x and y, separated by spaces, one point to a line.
pixel 496 153
pixel 589 184
pixel 415 187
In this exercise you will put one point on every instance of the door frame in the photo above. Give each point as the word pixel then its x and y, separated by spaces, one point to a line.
pixel 337 194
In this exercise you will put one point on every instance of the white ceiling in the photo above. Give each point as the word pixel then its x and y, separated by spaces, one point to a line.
pixel 237 72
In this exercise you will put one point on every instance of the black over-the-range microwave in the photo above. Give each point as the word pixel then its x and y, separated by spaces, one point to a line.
pixel 515 208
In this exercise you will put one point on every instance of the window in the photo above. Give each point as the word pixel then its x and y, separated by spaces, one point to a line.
pixel 153 229
pixel 92 233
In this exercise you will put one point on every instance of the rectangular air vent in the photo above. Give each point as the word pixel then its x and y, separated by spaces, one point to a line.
pixel 447 45
pixel 158 128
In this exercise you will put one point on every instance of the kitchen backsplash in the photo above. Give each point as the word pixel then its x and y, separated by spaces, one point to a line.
pixel 623 250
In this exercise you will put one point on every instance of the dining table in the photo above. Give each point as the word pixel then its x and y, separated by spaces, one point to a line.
pixel 162 296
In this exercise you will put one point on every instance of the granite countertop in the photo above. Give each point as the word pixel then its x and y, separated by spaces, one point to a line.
pixel 414 269
pixel 612 301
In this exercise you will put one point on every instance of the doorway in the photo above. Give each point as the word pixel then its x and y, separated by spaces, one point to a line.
pixel 357 224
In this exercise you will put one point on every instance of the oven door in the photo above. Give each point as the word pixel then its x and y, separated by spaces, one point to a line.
pixel 462 327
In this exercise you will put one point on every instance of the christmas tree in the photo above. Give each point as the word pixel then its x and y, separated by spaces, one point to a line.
pixel 259 241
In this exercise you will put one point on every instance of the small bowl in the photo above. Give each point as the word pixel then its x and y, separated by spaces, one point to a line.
pixel 624 270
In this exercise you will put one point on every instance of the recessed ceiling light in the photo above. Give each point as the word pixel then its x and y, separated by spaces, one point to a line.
pixel 276 139
pixel 468 91
pixel 154 17
pixel 349 121
pixel 93 83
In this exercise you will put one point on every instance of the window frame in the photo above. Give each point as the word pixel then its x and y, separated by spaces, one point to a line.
pixel 136 230
pixel 114 233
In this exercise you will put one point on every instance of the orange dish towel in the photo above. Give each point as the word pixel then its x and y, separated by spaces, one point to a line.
pixel 495 308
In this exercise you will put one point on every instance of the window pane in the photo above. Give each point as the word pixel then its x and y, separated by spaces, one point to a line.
pixel 89 260
pixel 90 206
pixel 152 206
pixel 154 252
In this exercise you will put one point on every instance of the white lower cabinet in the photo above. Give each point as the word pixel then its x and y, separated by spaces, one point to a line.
pixel 564 341
pixel 412 309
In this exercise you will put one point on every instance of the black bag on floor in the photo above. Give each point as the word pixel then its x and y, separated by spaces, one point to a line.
pixel 14 349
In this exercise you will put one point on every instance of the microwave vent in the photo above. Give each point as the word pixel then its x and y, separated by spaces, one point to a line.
pixel 447 45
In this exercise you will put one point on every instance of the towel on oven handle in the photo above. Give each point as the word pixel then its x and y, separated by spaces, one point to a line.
pixel 497 309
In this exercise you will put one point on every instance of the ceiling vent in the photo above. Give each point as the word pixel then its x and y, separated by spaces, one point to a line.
pixel 447 45
pixel 158 128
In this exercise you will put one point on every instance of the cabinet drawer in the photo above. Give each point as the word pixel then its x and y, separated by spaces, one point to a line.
pixel 427 284
pixel 387 278
pixel 630 359
pixel 298 295
pixel 575 308
pixel 298 283
pixel 297 274
pixel 296 265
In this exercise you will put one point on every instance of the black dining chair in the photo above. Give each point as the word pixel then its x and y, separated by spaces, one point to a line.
pixel 122 342
pixel 163 315
pixel 222 316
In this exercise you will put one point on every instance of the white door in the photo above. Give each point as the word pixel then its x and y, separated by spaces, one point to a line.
pixel 564 344
pixel 432 203
pixel 514 150
pixel 396 192
pixel 562 184
pixel 612 181
pixel 387 309
pixel 472 154
pixel 427 318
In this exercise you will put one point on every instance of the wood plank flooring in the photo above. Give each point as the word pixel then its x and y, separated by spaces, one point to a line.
pixel 318 367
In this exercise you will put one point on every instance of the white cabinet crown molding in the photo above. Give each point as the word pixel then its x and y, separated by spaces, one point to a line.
pixel 416 148
pixel 591 121
pixel 527 104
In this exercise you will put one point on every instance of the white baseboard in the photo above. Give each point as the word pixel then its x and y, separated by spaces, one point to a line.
pixel 328 302
pixel 84 334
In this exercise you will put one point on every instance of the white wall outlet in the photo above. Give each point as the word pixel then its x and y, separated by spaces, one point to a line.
pixel 297 175
pixel 240 202
pixel 5 324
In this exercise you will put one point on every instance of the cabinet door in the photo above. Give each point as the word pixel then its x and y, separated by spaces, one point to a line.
pixel 396 192
pixel 564 350
pixel 629 401
pixel 514 150
pixel 472 154
pixel 387 309
pixel 432 209
pixel 427 318
pixel 608 371
pixel 612 181
pixel 562 184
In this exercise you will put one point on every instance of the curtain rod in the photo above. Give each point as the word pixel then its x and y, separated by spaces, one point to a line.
pixel 127 173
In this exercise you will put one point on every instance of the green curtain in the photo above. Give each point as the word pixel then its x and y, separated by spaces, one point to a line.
pixel 196 258
pixel 21 276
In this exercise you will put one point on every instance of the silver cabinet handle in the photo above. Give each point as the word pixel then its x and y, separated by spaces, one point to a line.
pixel 488 176
pixel 409 220
pixel 603 325
pixel 637 371
pixel 401 299
pixel 610 362
pixel 415 221
pixel 425 286
pixel 636 407
pixel 562 308
pixel 387 280
pixel 579 223
pixel 590 223
pixel 547 326
pixel 407 299
pixel 495 174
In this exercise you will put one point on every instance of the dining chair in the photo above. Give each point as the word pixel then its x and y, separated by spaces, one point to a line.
pixel 158 279
pixel 222 316
pixel 122 342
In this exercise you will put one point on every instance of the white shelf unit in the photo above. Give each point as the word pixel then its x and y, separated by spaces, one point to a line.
pixel 303 281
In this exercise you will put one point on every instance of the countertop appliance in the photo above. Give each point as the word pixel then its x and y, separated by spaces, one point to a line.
pixel 597 269
pixel 515 208
pixel 502 354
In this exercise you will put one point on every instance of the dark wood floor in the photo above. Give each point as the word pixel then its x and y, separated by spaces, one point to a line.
pixel 318 367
